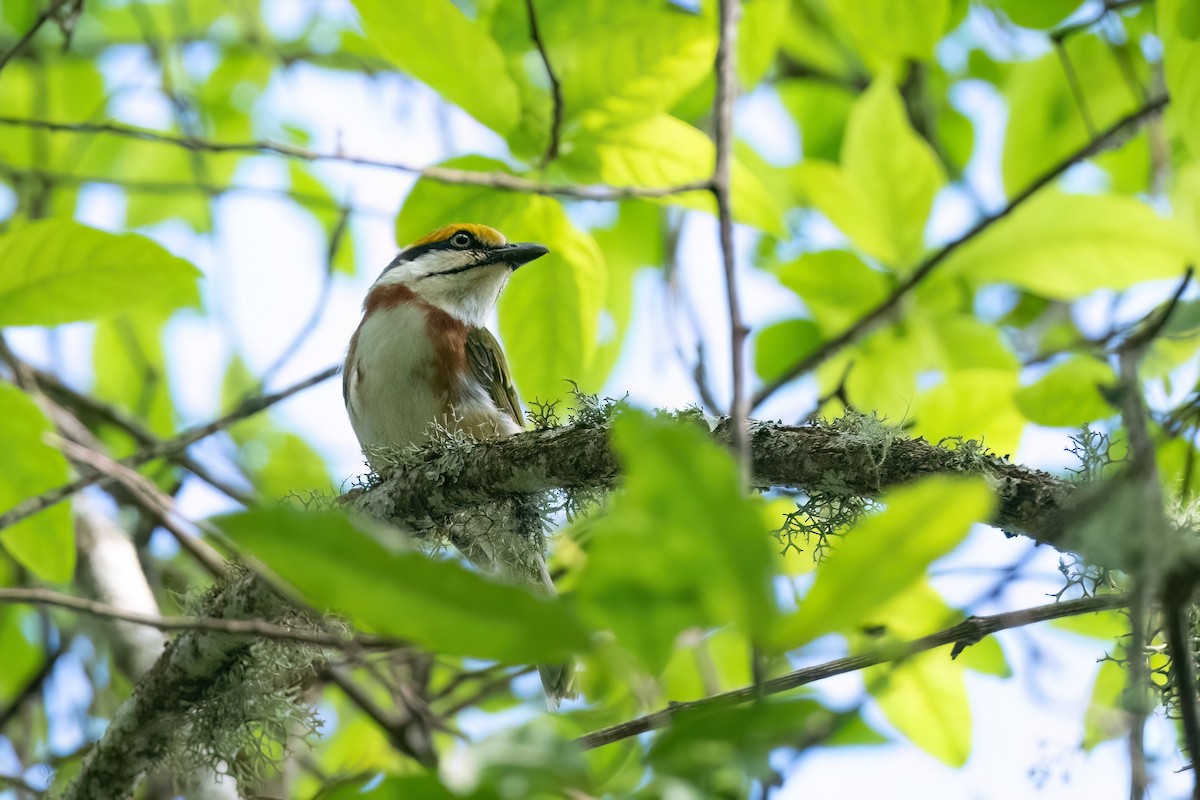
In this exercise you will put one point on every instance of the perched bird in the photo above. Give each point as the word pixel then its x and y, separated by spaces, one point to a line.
pixel 421 356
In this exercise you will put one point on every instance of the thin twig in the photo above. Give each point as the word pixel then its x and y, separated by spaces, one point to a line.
pixel 166 448
pixel 1109 6
pixel 967 632
pixel 889 303
pixel 45 16
pixel 494 180
pixel 239 627
pixel 726 94
pixel 555 88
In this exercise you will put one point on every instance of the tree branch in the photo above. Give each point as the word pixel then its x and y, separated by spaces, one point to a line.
pixel 968 632
pixel 45 16
pixel 885 307
pixel 166 448
pixel 494 180
pixel 424 490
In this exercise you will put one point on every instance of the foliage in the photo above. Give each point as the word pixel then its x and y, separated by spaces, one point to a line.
pixel 967 218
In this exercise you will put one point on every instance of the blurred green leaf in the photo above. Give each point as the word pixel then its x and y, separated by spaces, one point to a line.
pixel 1104 625
pixel 1179 28
pixel 780 345
pixel 1106 717
pixel 1068 395
pixel 925 697
pixel 888 31
pixel 975 404
pixel 331 218
pixel 1045 122
pixel 621 62
pixel 662 151
pixel 1040 14
pixel 22 657
pixel 62 90
pixel 59 271
pixel 636 241
pixel 45 542
pixel 433 41
pixel 921 523
pixel 894 167
pixel 533 760
pixel 836 287
pixel 365 572
pixel 706 739
pixel 1065 246
pixel 131 372
pixel 549 314
pixel 681 546
pixel 821 110
pixel 759 34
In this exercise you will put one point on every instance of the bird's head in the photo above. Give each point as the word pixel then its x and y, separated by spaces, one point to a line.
pixel 459 268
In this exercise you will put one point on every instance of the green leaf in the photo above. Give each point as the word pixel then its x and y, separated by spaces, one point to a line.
pixel 759 34
pixel 836 287
pixel 703 740
pixel 549 313
pixel 433 41
pixel 131 372
pixel 892 30
pixel 921 523
pixel 621 62
pixel 972 404
pixel 681 546
pixel 895 168
pixel 1040 14
pixel 1106 717
pixel 883 191
pixel 821 110
pixel 636 241
pixel 331 218
pixel 363 571
pixel 1045 123
pixel 1068 395
pixel 662 151
pixel 925 697
pixel 1065 246
pixel 45 542
pixel 780 345
pixel 60 90
pixel 1179 27
pixel 58 271
pixel 22 657
pixel 1105 625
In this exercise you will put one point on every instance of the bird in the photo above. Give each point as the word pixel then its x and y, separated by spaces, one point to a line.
pixel 422 357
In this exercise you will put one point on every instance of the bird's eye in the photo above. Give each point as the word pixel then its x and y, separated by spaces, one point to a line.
pixel 461 239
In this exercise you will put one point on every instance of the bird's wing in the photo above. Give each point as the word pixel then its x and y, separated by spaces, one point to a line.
pixel 486 362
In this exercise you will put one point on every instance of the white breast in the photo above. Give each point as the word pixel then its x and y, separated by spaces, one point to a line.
pixel 390 386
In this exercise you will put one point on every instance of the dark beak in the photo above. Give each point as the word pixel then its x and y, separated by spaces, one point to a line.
pixel 518 253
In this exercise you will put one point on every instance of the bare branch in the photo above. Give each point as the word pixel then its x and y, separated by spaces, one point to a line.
pixel 494 180
pixel 238 627
pixel 48 13
pixel 164 449
pixel 965 633
pixel 555 87
pixel 739 409
pixel 885 307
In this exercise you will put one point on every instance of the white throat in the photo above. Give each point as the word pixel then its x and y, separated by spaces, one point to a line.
pixel 468 296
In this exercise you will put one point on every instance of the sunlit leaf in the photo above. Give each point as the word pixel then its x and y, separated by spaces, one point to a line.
pixel 777 347
pixel 1065 246
pixel 45 542
pixel 1106 717
pixel 433 41
pixel 1179 27
pixel 680 546
pixel 975 404
pixel 60 271
pixel 921 522
pixel 835 285
pixel 893 29
pixel 1069 394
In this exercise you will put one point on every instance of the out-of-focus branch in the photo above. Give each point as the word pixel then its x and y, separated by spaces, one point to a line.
pixel 493 180
pixel 163 449
pixel 889 304
pixel 964 634
pixel 48 13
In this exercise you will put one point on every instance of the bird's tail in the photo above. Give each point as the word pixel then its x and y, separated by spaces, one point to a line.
pixel 512 546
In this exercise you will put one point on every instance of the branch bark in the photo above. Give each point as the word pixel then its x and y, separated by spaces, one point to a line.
pixel 426 492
